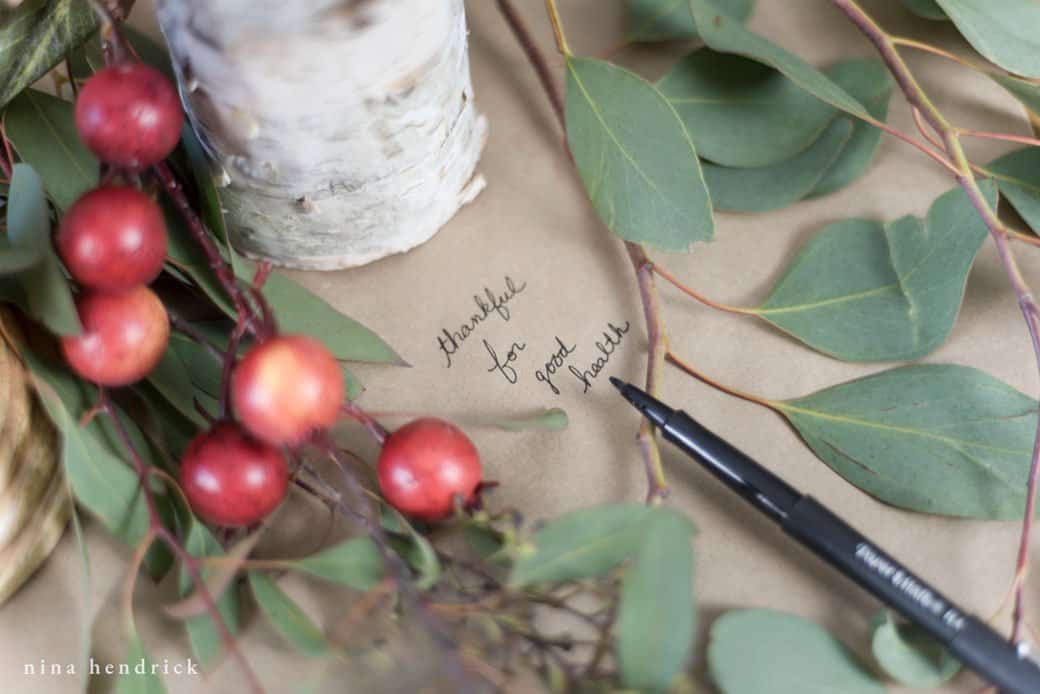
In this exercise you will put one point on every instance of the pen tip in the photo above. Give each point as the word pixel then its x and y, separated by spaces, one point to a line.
pixel 617 383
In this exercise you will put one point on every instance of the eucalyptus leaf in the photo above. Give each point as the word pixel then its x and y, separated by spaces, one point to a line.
pixel 176 380
pixel 932 438
pixel 929 9
pixel 585 543
pixel 45 290
pixel 656 613
pixel 286 616
pixel 1004 32
pixel 140 679
pixel 203 632
pixel 758 651
pixel 771 187
pixel 35 37
pixel 549 419
pixel 865 291
pixel 635 157
pixel 1026 92
pixel 42 129
pixel 1017 174
pixel 670 20
pixel 910 656
pixel 726 35
pixel 356 563
pixel 870 83
pixel 740 112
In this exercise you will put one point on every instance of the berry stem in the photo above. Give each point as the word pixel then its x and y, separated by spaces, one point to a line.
pixel 377 430
pixel 159 530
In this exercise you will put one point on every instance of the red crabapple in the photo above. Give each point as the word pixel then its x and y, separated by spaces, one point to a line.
pixel 425 465
pixel 287 387
pixel 124 336
pixel 232 479
pixel 113 239
pixel 129 115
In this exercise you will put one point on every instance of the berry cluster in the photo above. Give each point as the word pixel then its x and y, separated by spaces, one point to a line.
pixel 113 243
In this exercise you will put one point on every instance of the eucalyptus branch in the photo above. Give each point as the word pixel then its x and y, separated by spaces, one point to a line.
pixel 656 335
pixel 950 137
pixel 157 529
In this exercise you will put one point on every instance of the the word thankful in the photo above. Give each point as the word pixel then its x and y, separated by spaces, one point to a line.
pixel 488 304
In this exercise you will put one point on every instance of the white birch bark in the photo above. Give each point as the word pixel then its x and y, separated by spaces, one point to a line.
pixel 347 129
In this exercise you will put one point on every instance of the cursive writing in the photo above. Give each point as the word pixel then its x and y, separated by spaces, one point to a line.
pixel 505 366
pixel 611 340
pixel 489 303
pixel 555 363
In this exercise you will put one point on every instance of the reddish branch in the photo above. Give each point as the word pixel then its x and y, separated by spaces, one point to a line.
pixel 950 138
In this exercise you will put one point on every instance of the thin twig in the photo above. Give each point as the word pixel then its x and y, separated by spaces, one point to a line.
pixel 950 135
pixel 657 484
pixel 183 326
pixel 1005 137
pixel 693 294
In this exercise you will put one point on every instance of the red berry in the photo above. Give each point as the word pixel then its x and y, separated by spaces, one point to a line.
pixel 129 115
pixel 113 239
pixel 287 387
pixel 124 336
pixel 425 465
pixel 231 478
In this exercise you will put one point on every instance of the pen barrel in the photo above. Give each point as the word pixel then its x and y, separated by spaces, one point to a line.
pixel 729 464
pixel 969 640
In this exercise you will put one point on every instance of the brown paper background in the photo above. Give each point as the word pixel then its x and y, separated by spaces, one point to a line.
pixel 533 223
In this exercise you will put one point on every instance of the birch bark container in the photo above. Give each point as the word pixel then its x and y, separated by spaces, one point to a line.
pixel 344 130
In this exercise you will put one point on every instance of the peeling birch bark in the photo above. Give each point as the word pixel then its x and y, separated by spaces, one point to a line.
pixel 345 129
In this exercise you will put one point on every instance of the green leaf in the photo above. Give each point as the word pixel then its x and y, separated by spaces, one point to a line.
pixel 139 679
pixel 656 614
pixel 934 438
pixel 43 131
pixel 929 9
pixel 740 112
pixel 1004 32
pixel 726 35
pixel 669 20
pixel 356 563
pixel 1017 174
pixel 870 83
pixel 910 656
pixel 45 291
pixel 412 546
pixel 86 598
pixel 1025 91
pixel 35 37
pixel 771 187
pixel 286 616
pixel 759 651
pixel 585 543
pixel 550 419
pixel 16 259
pixel 98 476
pixel 865 291
pixel 182 377
pixel 203 632
pixel 635 157
pixel 300 311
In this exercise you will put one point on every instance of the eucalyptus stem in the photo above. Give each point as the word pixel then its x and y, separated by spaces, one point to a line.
pixel 999 232
pixel 657 484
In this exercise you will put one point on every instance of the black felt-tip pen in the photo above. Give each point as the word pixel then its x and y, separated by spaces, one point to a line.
pixel 1009 667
